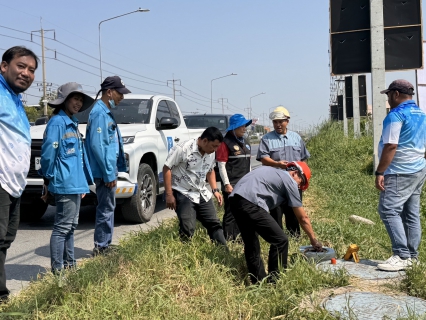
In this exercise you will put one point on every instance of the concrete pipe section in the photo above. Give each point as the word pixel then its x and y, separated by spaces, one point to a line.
pixel 365 269
pixel 373 306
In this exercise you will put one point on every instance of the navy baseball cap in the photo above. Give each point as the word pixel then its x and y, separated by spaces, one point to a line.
pixel 115 83
pixel 400 85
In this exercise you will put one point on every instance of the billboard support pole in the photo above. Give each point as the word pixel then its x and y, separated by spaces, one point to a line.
pixel 378 80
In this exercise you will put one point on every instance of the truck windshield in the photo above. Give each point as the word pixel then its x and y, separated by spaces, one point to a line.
pixel 128 111
pixel 205 121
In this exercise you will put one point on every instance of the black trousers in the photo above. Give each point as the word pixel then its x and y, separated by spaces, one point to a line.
pixel 253 221
pixel 9 223
pixel 188 212
pixel 291 222
pixel 230 227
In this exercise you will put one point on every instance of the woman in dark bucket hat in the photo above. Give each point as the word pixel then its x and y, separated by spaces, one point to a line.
pixel 233 159
pixel 66 171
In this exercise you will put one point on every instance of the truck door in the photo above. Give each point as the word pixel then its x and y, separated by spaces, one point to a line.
pixel 168 138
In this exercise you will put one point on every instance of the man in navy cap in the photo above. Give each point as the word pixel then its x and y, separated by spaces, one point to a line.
pixel 106 157
pixel 233 159
pixel 401 174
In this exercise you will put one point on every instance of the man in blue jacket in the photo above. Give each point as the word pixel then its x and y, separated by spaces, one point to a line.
pixel 106 158
pixel 18 67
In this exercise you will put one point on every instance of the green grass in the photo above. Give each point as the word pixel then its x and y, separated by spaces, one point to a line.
pixel 154 275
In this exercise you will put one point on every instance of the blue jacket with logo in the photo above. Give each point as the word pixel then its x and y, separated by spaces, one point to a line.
pixel 101 143
pixel 15 141
pixel 64 160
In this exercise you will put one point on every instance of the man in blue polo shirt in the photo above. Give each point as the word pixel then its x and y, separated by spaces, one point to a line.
pixel 401 174
pixel 18 67
pixel 276 149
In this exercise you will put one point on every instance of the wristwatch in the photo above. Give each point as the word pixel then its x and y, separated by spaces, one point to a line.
pixel 377 173
pixel 215 190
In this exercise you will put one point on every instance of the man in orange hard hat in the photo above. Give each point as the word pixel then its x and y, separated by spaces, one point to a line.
pixel 276 149
pixel 251 200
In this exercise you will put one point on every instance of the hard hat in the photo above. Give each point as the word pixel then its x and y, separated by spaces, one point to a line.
pixel 304 170
pixel 279 113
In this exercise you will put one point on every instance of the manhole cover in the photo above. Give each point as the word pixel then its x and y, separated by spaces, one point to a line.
pixel 368 305
pixel 365 269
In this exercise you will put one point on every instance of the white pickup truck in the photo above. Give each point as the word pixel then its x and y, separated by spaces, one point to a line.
pixel 150 127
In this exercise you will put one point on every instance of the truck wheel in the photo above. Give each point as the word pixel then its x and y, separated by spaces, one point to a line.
pixel 33 211
pixel 140 207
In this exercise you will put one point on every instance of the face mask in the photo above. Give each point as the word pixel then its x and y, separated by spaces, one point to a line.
pixel 112 104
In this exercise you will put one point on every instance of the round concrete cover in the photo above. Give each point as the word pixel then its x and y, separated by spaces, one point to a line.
pixel 368 305
pixel 365 269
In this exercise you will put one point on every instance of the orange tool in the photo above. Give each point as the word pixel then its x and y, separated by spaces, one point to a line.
pixel 352 253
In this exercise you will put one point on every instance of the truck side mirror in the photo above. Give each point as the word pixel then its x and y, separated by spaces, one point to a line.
pixel 167 123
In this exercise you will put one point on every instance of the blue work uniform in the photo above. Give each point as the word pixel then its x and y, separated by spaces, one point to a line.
pixel 102 134
pixel 64 159
pixel 106 157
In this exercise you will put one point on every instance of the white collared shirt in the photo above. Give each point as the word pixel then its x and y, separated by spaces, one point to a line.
pixel 189 170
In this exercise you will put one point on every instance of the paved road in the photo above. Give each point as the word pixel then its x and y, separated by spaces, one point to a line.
pixel 30 252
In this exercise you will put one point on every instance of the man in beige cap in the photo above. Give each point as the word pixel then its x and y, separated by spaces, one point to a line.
pixel 401 174
pixel 276 149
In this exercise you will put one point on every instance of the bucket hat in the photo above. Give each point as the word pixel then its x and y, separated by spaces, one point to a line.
pixel 65 90
pixel 236 121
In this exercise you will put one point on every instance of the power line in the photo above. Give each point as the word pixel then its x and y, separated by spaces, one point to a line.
pixel 109 64
pixel 4 35
pixel 198 104
pixel 14 29
pixel 196 98
pixel 88 55
pixel 195 93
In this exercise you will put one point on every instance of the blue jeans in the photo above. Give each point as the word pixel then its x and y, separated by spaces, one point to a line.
pixel 62 239
pixel 104 224
pixel 399 209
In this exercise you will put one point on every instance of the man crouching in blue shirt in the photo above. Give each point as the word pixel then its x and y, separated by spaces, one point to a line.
pixel 401 174
pixel 106 158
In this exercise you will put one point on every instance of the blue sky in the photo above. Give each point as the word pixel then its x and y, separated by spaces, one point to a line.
pixel 277 47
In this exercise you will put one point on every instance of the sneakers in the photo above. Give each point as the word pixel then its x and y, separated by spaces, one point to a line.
pixel 395 263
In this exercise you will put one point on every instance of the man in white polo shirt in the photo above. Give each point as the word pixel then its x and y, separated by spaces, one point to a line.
pixel 187 167
pixel 18 67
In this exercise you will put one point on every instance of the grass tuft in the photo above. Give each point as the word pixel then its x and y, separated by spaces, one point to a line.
pixel 153 275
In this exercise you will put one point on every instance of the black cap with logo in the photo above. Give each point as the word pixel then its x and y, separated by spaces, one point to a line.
pixel 115 83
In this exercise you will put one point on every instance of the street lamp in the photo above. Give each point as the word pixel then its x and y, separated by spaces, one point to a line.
pixel 211 88
pixel 253 97
pixel 100 52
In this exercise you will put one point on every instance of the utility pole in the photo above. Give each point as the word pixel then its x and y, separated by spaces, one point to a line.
pixel 248 112
pixel 263 121
pixel 223 110
pixel 43 63
pixel 173 86
pixel 378 81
